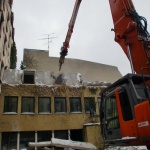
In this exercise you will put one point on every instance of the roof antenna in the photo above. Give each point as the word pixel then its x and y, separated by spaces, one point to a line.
pixel 49 38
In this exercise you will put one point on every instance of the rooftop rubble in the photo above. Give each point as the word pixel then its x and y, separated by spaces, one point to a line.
pixel 12 76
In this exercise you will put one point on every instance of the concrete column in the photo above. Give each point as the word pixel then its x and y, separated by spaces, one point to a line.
pixel 53 137
pixel 36 138
pixel 53 134
pixel 69 135
pixel 18 140
pixel 36 105
pixel 52 105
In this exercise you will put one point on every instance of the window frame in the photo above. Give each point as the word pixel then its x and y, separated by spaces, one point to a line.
pixel 62 112
pixel 9 112
pixel 79 98
pixel 49 98
pixel 33 105
pixel 90 98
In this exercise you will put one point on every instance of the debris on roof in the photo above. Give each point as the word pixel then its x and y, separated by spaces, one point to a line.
pixel 12 76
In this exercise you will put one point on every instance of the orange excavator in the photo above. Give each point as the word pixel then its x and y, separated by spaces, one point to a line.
pixel 125 104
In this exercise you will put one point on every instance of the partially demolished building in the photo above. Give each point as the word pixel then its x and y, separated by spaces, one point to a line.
pixel 36 106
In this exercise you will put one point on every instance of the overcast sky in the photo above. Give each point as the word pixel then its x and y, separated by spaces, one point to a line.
pixel 91 40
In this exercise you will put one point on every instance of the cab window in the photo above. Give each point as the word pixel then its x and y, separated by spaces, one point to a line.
pixel 111 113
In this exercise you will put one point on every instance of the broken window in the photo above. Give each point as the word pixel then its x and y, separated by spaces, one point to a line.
pixel 28 77
pixel 61 134
pixel 75 104
pixel 27 104
pixel 44 105
pixel 44 136
pixel 25 138
pixel 10 104
pixel 89 104
pixel 9 141
pixel 60 104
pixel 76 135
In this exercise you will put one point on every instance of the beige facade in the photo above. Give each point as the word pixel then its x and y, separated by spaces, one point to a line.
pixel 90 71
pixel 33 111
pixel 6 34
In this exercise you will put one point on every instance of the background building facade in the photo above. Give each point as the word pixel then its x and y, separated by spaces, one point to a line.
pixel 90 71
pixel 6 34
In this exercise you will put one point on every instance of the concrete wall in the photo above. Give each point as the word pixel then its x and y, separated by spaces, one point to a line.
pixel 20 122
pixel 53 121
pixel 93 136
pixel 90 71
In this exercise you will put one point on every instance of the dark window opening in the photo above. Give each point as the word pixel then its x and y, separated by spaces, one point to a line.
pixel 44 136
pixel 61 134
pixel 89 104
pixel 9 140
pixel 29 77
pixel 10 104
pixel 27 105
pixel 25 138
pixel 125 106
pixel 44 105
pixel 60 104
pixel 75 104
pixel 76 135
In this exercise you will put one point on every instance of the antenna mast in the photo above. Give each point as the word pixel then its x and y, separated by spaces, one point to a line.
pixel 49 38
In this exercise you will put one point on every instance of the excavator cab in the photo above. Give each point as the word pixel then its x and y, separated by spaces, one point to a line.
pixel 125 111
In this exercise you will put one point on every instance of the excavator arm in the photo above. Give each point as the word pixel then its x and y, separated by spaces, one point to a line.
pixel 131 34
pixel 64 48
pixel 125 105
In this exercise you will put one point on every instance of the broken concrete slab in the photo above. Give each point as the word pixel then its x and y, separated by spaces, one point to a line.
pixel 72 144
pixel 74 79
pixel 64 144
pixel 12 76
pixel 44 77
pixel 40 144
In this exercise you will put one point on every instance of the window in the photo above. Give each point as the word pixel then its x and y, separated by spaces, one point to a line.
pixel 44 136
pixel 112 113
pixel 28 77
pixel 62 134
pixel 75 104
pixel 27 105
pixel 25 138
pixel 9 141
pixel 125 106
pixel 44 105
pixel 60 104
pixel 76 135
pixel 89 104
pixel 10 104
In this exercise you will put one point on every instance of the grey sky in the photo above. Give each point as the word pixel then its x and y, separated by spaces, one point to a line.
pixel 92 38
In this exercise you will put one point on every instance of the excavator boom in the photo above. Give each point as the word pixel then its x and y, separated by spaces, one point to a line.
pixel 64 48
pixel 131 34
